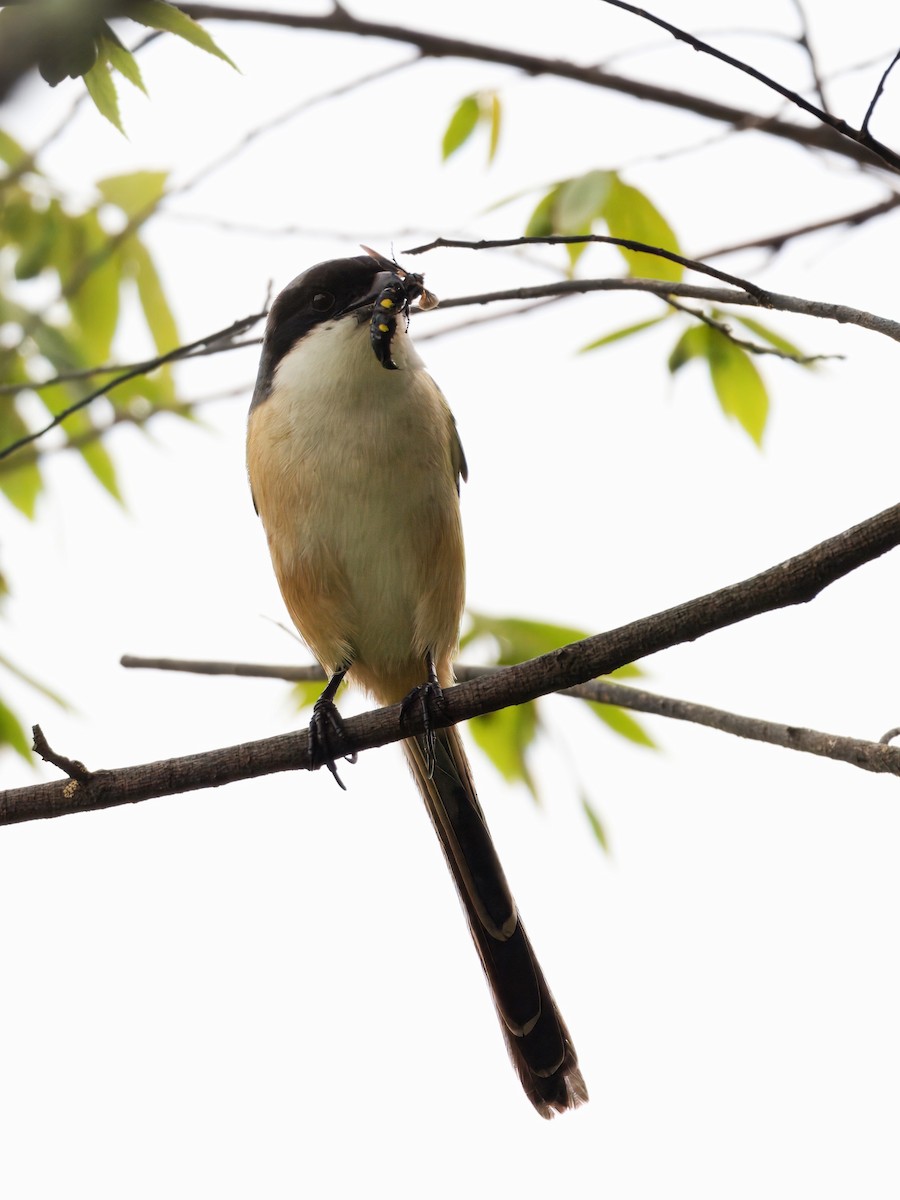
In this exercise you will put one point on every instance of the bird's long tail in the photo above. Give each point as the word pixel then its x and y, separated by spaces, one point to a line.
pixel 536 1036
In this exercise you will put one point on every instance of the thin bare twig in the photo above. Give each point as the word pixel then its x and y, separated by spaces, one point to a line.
pixel 861 136
pixel 878 91
pixel 725 329
pixel 223 335
pixel 832 136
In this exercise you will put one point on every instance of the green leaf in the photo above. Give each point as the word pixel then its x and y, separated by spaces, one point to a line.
pixel 461 126
pixel 504 737
pixel 98 460
pixel 12 733
pixel 32 682
pixel 157 313
pixel 693 343
pixel 620 721
pixel 738 385
pixel 102 90
pixel 540 223
pixel 306 692
pixel 158 15
pixel 136 193
pixel 494 117
pixel 21 485
pixel 94 303
pixel 630 214
pixel 582 201
pixel 618 334
pixel 121 58
pixel 597 827
pixel 519 639
pixel 11 152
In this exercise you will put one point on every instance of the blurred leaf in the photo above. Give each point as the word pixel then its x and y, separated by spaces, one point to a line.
pixel 630 214
pixel 519 639
pixel 597 827
pixel 94 302
pixel 461 126
pixel 157 313
pixel 738 385
pixel 136 193
pixel 121 58
pixel 99 83
pixel 495 120
pixel 38 240
pixel 21 485
pixel 693 343
pixel 582 201
pixel 774 339
pixel 11 152
pixel 159 15
pixel 306 693
pixel 618 334
pixel 504 737
pixel 98 460
pixel 12 734
pixel 620 721
pixel 540 223
pixel 32 682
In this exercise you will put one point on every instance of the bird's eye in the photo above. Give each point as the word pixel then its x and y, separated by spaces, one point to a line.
pixel 322 301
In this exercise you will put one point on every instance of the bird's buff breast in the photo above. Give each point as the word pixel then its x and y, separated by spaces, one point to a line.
pixel 354 477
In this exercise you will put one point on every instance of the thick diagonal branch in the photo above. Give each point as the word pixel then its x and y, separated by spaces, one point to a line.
pixel 794 581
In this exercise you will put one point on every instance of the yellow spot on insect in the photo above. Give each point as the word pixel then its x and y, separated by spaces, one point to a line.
pixel 384 328
pixel 386 302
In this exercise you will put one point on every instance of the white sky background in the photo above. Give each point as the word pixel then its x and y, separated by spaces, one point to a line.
pixel 269 989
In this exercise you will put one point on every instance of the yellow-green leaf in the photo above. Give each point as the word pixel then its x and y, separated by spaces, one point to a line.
pixel 540 223
pixel 306 692
pixel 738 385
pixel 136 193
pixel 12 734
pixel 597 827
pixel 21 485
pixel 98 460
pixel 618 334
pixel 495 119
pixel 159 15
pixel 10 151
pixel 519 639
pixel 693 343
pixel 460 126
pixel 774 339
pixel 94 302
pixel 582 201
pixel 121 58
pixel 631 215
pixel 622 722
pixel 99 83
pixel 504 737
pixel 157 313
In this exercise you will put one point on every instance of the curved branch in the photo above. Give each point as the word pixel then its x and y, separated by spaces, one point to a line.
pixel 794 581
pixel 820 137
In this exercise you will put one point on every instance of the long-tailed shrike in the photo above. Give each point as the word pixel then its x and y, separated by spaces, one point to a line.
pixel 355 464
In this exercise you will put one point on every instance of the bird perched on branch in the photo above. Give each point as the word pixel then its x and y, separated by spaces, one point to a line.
pixel 355 464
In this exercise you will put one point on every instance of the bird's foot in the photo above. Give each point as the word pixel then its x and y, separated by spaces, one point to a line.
pixel 427 699
pixel 325 727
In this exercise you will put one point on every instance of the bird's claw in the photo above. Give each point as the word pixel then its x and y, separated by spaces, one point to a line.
pixel 427 698
pixel 326 726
